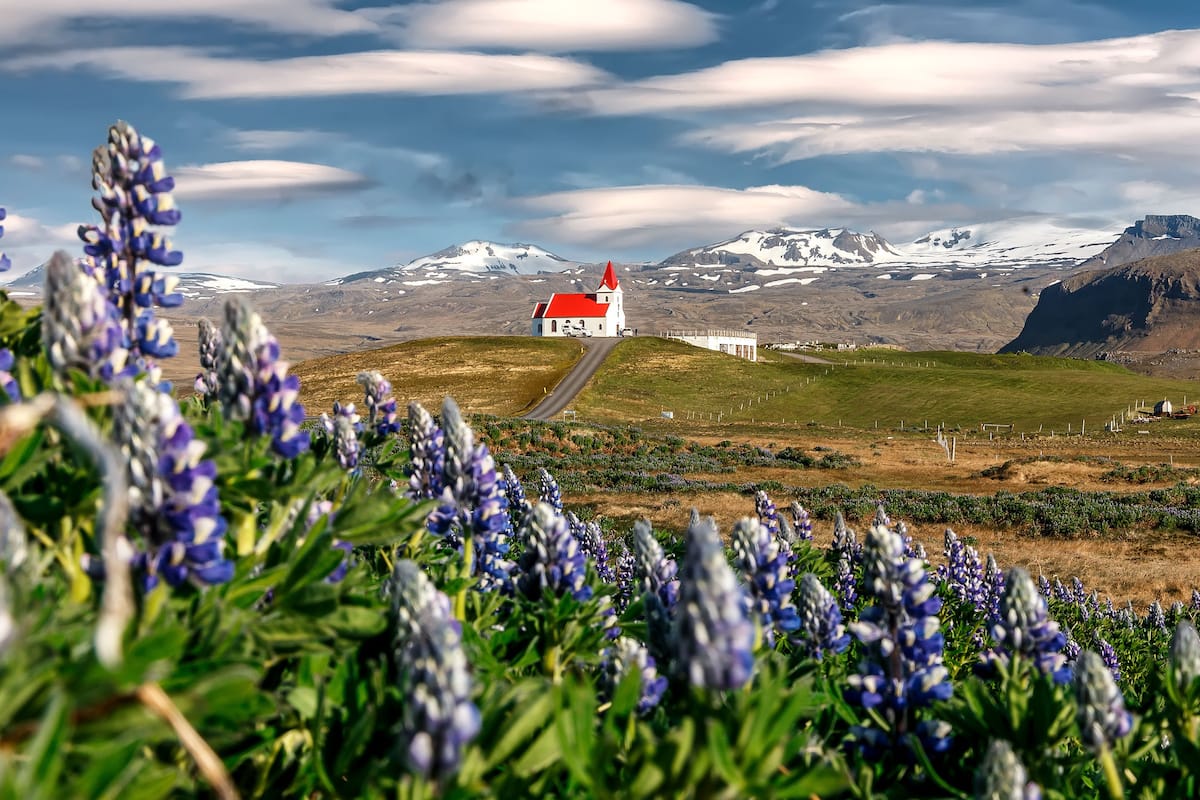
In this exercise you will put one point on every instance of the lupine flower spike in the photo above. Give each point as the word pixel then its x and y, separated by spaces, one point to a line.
pixel 552 559
pixel 1025 628
pixel 821 630
pixel 713 635
pixel 514 492
pixel 1101 707
pixel 5 263
pixel 624 657
pixel 655 581
pixel 438 718
pixel 207 382
pixel 80 328
pixel 1002 776
pixel 548 491
pixel 381 406
pixel 764 567
pixel 426 454
pixel 343 429
pixel 1185 655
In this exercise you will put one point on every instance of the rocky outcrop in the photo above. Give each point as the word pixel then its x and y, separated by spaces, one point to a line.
pixel 1156 235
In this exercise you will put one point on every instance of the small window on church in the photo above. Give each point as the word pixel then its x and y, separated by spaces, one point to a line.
pixel 554 326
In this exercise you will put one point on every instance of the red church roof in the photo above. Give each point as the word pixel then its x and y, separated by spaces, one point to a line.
pixel 609 281
pixel 570 305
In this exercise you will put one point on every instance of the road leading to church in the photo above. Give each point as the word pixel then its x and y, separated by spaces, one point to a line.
pixel 566 390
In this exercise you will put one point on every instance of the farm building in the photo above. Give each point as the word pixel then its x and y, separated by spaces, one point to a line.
pixel 735 343
pixel 1163 408
pixel 598 313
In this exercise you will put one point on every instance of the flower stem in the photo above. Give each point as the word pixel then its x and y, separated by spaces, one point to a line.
pixel 1111 776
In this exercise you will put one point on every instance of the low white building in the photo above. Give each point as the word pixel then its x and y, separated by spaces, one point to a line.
pixel 598 313
pixel 735 343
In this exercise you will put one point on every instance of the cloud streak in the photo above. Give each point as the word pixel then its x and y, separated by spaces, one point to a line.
pixel 263 180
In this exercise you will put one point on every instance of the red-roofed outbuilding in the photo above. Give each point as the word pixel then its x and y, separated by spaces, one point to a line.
pixel 598 313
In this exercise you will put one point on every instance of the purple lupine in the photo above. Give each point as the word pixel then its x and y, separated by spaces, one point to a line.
pixel 1002 776
pixel 1100 706
pixel 343 429
pixel 848 553
pixel 1024 628
pixel 1156 619
pixel 80 328
pixel 426 452
pixel 1109 656
pixel 626 565
pixel 208 381
pixel 655 581
pixel 5 262
pixel 12 391
pixel 1184 660
pixel 768 515
pixel 472 503
pixel 254 385
pixel 821 630
pixel 1044 587
pixel 548 491
pixel 964 572
pixel 764 568
pixel 624 657
pixel 134 193
pixel 437 718
pixel 993 581
pixel 324 508
pixel 903 668
pixel 382 416
pixel 591 540
pixel 552 559
pixel 514 493
pixel 712 634
pixel 14 539
pixel 1194 606
pixel 801 522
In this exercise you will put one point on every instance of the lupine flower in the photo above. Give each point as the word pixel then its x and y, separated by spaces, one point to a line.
pixel 254 385
pixel 548 491
pixel 623 657
pixel 514 493
pixel 626 580
pixel 5 263
pixel 903 667
pixel 426 454
pixel 591 541
pixel 134 193
pixel 173 496
pixel 80 328
pixel 1024 628
pixel 14 541
pixel 208 381
pixel 1195 604
pixel 1155 618
pixel 381 407
pixel 1184 655
pixel 821 630
pixel 767 514
pixel 802 522
pixel 713 636
pixel 993 580
pixel 654 577
pixel 472 503
pixel 12 392
pixel 849 553
pixel 1109 657
pixel 438 718
pixel 324 508
pixel 1002 776
pixel 1044 587
pixel 764 568
pixel 1100 709
pixel 1072 651
pixel 552 559
pixel 964 572
pixel 343 428
pixel 845 540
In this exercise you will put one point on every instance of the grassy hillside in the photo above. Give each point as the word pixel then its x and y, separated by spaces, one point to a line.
pixel 644 377
pixel 503 375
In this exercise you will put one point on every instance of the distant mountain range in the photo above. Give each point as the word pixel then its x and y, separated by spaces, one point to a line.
pixel 471 258
pixel 192 285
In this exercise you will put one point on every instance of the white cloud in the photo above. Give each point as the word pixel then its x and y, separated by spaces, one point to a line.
pixel 256 141
pixel 47 20
pixel 552 25
pixel 205 76
pixel 29 242
pixel 235 181
pixel 262 261
pixel 26 161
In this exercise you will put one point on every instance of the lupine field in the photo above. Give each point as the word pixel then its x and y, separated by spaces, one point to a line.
pixel 202 595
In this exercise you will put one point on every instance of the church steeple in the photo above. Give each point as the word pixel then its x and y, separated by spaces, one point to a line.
pixel 609 281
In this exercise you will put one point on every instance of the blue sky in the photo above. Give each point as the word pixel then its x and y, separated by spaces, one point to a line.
pixel 313 138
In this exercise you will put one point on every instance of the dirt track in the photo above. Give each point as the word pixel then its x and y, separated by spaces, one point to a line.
pixel 576 379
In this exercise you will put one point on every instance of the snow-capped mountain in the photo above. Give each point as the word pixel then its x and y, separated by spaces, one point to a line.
pixel 785 247
pixel 474 258
pixel 1011 243
pixel 192 285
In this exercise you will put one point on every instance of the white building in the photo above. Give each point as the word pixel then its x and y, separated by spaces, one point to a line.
pixel 599 313
pixel 735 343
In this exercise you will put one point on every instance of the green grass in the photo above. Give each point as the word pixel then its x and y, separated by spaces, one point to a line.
pixel 645 376
pixel 502 375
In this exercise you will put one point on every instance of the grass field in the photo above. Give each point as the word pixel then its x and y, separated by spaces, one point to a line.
pixel 502 375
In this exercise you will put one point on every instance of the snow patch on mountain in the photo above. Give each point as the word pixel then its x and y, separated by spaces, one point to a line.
pixel 473 258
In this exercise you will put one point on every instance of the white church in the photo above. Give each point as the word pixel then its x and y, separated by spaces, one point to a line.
pixel 599 313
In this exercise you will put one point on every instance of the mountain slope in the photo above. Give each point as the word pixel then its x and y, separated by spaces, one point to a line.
pixel 473 258
pixel 191 284
pixel 1156 235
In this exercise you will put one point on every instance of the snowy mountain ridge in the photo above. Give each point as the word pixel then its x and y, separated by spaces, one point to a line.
pixel 474 257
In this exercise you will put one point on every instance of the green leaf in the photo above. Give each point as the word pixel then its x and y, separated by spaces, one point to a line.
pixel 46 752
pixel 357 622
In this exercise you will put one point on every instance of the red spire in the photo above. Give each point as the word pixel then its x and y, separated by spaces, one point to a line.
pixel 609 281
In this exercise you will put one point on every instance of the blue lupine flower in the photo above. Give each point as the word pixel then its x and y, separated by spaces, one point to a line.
pixel 993 581
pixel 1184 660
pixel 1194 606
pixel 324 508
pixel 1156 619
pixel 208 381
pixel 381 406
pixel 1109 656
pixel 427 452
pixel 1002 776
pixel 591 540
pixel 438 718
pixel 768 515
pixel 1024 627
pixel 12 391
pixel 801 522
pixel 472 503
pixel 1044 587
pixel 623 657
pixel 765 570
pixel 14 539
pixel 5 263
pixel 254 385
pixel 514 493
pixel 626 577
pixel 80 328
pixel 548 491
pixel 821 630
pixel 552 559
pixel 903 668
pixel 848 553
pixel 134 193
pixel 964 572
pixel 1100 706
pixel 712 633
pixel 655 581
pixel 343 429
